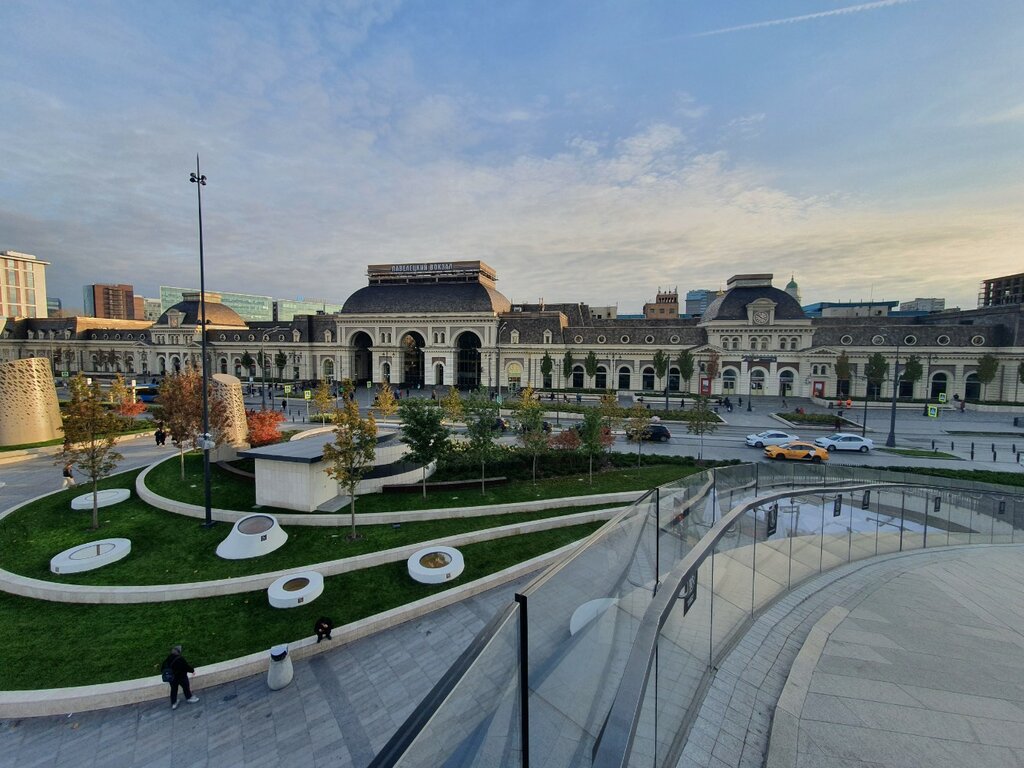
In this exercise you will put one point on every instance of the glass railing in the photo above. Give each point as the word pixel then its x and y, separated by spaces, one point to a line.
pixel 602 659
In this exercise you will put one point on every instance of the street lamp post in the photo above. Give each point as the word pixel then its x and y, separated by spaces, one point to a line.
pixel 497 347
pixel 890 441
pixel 199 180
pixel 864 425
pixel 263 365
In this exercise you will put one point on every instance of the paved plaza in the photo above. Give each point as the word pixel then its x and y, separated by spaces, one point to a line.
pixel 925 669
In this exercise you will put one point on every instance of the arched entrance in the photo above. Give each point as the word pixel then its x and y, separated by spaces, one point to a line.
pixel 328 369
pixel 412 359
pixel 438 375
pixel 624 374
pixel 514 373
pixel 467 368
pixel 361 370
pixel 673 379
pixel 729 381
pixel 972 387
pixel 785 383
pixel 757 381
pixel 939 382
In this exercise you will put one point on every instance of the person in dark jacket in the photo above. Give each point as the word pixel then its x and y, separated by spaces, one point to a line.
pixel 180 669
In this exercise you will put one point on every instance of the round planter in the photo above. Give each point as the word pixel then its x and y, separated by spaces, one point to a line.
pixel 252 536
pixel 87 557
pixel 295 589
pixel 103 498
pixel 436 565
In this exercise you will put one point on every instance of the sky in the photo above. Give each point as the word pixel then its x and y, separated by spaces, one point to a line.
pixel 587 150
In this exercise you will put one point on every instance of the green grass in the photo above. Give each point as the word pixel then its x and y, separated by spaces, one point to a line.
pixel 922 453
pixel 168 548
pixel 232 492
pixel 1014 479
pixel 86 644
pixel 145 426
pixel 812 419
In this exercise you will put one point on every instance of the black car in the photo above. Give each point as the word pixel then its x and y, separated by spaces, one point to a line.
pixel 501 424
pixel 657 433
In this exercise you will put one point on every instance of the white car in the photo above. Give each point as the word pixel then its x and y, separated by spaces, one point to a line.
pixel 844 441
pixel 770 437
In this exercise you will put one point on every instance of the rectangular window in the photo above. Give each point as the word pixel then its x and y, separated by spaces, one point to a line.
pixel 30 278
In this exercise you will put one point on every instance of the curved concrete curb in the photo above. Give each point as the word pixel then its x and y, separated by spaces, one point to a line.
pixel 56 701
pixel 378 518
pixel 57 592
pixel 785 735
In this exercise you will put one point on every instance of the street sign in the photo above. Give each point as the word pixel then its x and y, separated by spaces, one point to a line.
pixel 937 504
pixel 865 503
pixel 837 505
pixel 65 374
pixel 933 411
pixel 1002 507
pixel 689 592
pixel 287 389
pixel 942 397
pixel 771 519
pixel 307 394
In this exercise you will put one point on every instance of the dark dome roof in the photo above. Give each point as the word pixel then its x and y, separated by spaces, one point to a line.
pixel 216 314
pixel 425 297
pixel 732 305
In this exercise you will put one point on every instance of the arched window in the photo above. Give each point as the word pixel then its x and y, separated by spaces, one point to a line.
pixel 972 387
pixel 783 343
pixel 794 342
pixel 765 341
pixel 757 381
pixel 673 379
pixel 513 338
pixel 385 371
pixel 624 377
pixel 224 365
pixel 547 337
pixel 601 378
pixel 786 383
pixel 328 337
pixel 648 379
pixel 577 377
pixel 515 375
pixel 939 383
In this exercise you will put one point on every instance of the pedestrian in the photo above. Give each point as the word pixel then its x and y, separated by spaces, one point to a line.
pixel 838 424
pixel 69 477
pixel 284 404
pixel 323 628
pixel 682 403
pixel 175 671
pixel 963 406
pixel 784 406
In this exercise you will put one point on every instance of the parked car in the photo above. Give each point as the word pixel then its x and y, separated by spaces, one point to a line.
pixel 770 437
pixel 844 441
pixel 799 451
pixel 544 425
pixel 655 432
pixel 501 424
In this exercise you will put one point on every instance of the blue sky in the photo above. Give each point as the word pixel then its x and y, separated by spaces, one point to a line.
pixel 589 151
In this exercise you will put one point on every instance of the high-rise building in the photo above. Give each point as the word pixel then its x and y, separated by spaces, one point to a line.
pixel 286 309
pixel 1002 290
pixel 151 309
pixel 54 307
pixel 698 300
pixel 114 302
pixel 923 305
pixel 249 307
pixel 22 285
pixel 664 307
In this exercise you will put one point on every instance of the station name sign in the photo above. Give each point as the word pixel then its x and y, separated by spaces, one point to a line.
pixel 440 266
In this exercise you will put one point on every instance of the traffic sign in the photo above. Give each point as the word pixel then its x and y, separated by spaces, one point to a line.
pixel 933 411
pixel 942 397
pixel 287 389
pixel 307 394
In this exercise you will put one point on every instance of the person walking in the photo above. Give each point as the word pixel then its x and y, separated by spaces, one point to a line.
pixel 175 671
pixel 69 477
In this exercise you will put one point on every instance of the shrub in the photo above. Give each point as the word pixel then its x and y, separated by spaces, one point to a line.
pixel 263 427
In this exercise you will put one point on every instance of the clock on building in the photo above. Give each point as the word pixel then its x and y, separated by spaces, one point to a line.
pixel 760 317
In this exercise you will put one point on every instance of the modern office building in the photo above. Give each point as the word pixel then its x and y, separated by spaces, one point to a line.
pixel 998 291
pixel 923 305
pixel 250 307
pixel 22 285
pixel 54 307
pixel 850 308
pixel 113 302
pixel 151 309
pixel 698 300
pixel 287 309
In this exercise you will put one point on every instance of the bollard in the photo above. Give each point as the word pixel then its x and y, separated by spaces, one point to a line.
pixel 952 447
pixel 1018 457
pixel 972 451
pixel 933 445
pixel 993 455
pixel 280 672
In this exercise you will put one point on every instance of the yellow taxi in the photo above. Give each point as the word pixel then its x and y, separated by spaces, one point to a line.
pixel 796 450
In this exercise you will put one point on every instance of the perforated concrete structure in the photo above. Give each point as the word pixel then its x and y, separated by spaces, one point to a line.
pixel 229 389
pixel 28 402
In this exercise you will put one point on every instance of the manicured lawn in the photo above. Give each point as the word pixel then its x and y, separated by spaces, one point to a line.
pixel 232 492
pixel 45 645
pixel 168 548
pixel 922 453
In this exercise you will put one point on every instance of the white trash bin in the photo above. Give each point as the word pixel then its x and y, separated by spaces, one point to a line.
pixel 280 672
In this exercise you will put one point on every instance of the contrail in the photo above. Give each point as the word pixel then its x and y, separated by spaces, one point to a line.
pixel 807 17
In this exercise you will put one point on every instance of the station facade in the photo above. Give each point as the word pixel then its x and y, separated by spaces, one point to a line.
pixel 447 324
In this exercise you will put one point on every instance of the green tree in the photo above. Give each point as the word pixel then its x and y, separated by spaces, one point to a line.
pixel 481 417
pixel 246 362
pixel 610 411
pixel 638 423
pixel 595 437
pixel 988 366
pixel 912 370
pixel 451 404
pixel 424 432
pixel 385 402
pixel 348 388
pixel 280 361
pixel 90 433
pixel 547 365
pixel 567 366
pixel 351 454
pixel 322 400
pixel 685 364
pixel 842 374
pixel 702 421
pixel 590 366
pixel 660 361
pixel 875 370
pixel 181 401
pixel 530 416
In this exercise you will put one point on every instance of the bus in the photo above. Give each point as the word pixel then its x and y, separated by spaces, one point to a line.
pixel 146 393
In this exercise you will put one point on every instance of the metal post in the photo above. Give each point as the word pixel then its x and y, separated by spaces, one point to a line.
pixel 200 181
pixel 903 506
pixel 711 614
pixel 864 425
pixel 890 441
pixel 878 516
pixel 657 538
pixel 524 680
pixel 753 563
pixel 924 540
pixel 849 536
pixel 821 547
pixel 792 531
